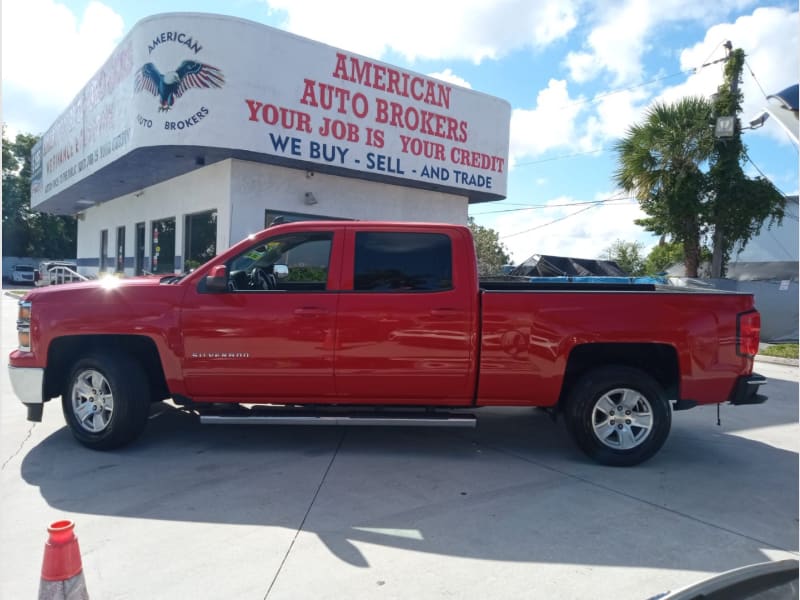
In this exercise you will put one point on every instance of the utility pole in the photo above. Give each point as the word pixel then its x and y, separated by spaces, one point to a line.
pixel 729 148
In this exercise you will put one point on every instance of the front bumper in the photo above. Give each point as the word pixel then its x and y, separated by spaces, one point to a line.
pixel 746 390
pixel 27 385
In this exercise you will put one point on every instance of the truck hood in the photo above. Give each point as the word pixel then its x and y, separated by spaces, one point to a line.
pixel 92 287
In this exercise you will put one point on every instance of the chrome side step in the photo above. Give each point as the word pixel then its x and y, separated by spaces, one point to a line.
pixel 355 419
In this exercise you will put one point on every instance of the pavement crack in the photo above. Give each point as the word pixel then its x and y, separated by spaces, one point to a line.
pixel 308 511
pixel 21 446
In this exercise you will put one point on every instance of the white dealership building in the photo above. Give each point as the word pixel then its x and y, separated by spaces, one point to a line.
pixel 201 129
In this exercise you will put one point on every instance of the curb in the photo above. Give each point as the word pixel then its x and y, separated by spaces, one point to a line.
pixel 777 360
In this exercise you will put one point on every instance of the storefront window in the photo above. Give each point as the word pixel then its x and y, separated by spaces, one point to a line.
pixel 139 259
pixel 200 239
pixel 162 246
pixel 103 250
pixel 120 266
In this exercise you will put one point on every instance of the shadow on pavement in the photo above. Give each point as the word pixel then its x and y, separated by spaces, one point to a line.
pixel 515 489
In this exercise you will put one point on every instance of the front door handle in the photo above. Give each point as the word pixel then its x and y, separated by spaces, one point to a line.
pixel 310 311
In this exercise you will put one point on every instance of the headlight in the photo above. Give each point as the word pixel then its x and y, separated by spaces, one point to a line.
pixel 24 325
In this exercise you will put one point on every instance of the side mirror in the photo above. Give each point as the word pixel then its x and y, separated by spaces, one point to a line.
pixel 218 280
pixel 280 271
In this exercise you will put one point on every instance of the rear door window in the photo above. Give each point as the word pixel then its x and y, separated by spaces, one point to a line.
pixel 402 262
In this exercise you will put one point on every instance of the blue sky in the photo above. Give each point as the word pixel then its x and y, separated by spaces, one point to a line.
pixel 577 75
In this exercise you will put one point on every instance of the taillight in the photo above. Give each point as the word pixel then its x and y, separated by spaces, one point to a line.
pixel 748 332
pixel 24 326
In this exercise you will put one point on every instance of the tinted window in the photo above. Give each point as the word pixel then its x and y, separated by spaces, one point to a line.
pixel 400 262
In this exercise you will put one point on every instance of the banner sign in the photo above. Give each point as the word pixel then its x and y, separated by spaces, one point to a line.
pixel 225 83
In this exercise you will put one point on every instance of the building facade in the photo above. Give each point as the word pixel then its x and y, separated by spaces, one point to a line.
pixel 202 129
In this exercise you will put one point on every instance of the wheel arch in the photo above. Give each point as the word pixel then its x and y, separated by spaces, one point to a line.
pixel 659 361
pixel 64 351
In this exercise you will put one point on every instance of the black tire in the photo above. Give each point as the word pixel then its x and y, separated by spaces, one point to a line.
pixel 605 434
pixel 106 400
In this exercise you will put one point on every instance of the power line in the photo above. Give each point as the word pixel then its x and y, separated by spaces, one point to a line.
pixel 692 70
pixel 753 75
pixel 750 160
pixel 567 204
pixel 577 212
pixel 705 62
pixel 502 237
pixel 535 162
pixel 599 97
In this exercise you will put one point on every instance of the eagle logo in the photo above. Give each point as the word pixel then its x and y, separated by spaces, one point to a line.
pixel 171 85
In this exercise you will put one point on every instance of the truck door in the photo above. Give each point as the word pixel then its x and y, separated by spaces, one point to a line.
pixel 268 336
pixel 405 327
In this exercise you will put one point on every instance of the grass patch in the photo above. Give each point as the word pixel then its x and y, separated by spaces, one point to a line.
pixel 781 351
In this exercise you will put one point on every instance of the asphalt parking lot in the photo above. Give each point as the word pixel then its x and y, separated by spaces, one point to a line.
pixel 509 510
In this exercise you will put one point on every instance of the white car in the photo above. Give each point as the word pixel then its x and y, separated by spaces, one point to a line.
pixel 23 274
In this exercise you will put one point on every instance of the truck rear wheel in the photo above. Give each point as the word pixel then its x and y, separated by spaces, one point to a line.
pixel 106 400
pixel 618 416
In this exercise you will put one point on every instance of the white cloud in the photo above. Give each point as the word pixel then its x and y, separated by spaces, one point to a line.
pixel 584 235
pixel 559 122
pixel 616 45
pixel 420 29
pixel 551 124
pixel 623 32
pixel 582 66
pixel 614 115
pixel 770 39
pixel 450 77
pixel 49 53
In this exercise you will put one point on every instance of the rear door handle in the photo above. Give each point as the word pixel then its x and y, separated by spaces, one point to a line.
pixel 444 312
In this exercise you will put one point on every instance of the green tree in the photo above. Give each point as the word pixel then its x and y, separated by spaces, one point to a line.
pixel 492 254
pixel 665 254
pixel 660 162
pixel 628 255
pixel 662 256
pixel 738 206
pixel 27 232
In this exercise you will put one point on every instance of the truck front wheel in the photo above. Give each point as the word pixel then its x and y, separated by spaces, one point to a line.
pixel 618 416
pixel 106 400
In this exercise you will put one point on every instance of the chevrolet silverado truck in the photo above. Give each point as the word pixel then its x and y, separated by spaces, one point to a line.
pixel 372 323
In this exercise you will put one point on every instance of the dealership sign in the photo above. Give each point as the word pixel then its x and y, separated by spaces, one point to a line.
pixel 245 89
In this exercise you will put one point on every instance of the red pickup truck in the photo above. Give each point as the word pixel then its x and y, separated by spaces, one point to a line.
pixel 369 323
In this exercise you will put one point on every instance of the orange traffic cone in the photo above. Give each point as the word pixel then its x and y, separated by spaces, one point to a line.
pixel 62 571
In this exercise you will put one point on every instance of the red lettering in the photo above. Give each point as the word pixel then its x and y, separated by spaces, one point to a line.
pixel 479 160
pixel 253 106
pixel 309 97
pixel 382 112
pixel 341 67
pixel 377 80
pixel 360 105
pixel 415 83
pixel 397 115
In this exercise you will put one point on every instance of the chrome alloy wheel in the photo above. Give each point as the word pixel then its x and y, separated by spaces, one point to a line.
pixel 92 401
pixel 622 419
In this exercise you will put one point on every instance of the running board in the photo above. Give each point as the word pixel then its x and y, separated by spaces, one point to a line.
pixel 354 419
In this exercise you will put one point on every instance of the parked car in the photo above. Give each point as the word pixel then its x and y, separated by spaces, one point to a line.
pixel 23 274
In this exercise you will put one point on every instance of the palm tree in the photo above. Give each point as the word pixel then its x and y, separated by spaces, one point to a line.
pixel 659 161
